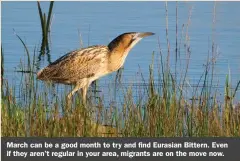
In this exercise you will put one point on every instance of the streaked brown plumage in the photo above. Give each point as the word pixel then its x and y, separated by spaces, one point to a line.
pixel 81 67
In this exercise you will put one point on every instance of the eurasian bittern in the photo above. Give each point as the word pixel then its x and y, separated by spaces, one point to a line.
pixel 82 67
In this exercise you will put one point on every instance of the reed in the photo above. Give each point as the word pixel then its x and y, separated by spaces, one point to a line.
pixel 45 24
pixel 27 52
pixel 2 69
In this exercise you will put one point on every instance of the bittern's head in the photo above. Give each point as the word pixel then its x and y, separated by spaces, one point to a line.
pixel 127 41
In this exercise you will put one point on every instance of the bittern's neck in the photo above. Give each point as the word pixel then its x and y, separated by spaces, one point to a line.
pixel 117 56
pixel 119 49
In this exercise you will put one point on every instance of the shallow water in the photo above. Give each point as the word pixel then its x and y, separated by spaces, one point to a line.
pixel 100 22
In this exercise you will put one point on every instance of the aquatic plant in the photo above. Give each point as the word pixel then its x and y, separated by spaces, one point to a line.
pixel 45 25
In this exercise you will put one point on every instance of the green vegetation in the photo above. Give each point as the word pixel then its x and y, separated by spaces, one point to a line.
pixel 45 24
pixel 165 112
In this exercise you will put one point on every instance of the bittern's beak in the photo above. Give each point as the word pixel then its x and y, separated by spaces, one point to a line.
pixel 144 34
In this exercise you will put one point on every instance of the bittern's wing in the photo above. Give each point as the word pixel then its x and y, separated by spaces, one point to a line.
pixel 76 65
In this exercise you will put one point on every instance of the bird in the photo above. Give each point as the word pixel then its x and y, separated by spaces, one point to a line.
pixel 83 66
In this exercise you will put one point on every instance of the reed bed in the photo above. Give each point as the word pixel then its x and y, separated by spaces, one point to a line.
pixel 164 113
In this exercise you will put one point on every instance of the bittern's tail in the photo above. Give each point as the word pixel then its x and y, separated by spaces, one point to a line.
pixel 40 74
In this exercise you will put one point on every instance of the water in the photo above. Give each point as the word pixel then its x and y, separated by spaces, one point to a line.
pixel 100 22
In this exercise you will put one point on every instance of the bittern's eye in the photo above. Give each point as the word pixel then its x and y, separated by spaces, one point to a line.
pixel 135 36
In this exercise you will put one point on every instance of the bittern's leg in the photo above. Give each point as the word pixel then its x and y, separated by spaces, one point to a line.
pixel 80 92
pixel 69 96
pixel 76 88
pixel 84 93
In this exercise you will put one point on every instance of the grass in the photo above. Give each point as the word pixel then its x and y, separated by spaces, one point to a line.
pixel 2 68
pixel 159 110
